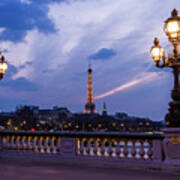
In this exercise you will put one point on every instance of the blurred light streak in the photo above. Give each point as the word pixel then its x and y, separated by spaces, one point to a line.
pixel 148 77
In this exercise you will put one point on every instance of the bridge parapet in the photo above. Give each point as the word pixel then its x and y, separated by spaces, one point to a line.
pixel 129 146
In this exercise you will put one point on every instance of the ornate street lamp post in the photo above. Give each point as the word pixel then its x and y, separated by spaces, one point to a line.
pixel 3 66
pixel 172 30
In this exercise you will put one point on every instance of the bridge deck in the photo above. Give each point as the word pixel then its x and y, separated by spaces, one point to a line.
pixel 27 170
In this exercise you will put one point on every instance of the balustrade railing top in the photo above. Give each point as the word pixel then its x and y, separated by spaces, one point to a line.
pixel 74 134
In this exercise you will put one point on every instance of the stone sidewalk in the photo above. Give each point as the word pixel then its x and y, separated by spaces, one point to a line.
pixel 27 170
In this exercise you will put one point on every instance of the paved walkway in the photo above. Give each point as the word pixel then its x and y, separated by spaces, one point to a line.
pixel 19 170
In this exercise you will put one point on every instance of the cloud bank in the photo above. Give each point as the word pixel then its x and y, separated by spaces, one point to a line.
pixel 50 42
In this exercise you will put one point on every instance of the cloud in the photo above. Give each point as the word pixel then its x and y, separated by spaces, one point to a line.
pixel 57 37
pixel 19 84
pixel 17 18
pixel 11 71
pixel 103 54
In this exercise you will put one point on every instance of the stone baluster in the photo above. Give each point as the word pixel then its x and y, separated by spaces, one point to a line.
pixel 91 146
pixel 35 144
pixel 95 148
pixel 12 142
pixel 17 143
pixel 117 148
pixel 114 144
pixel 38 144
pixel 121 144
pixel 138 149
pixel 49 145
pixel 4 143
pixel 48 149
pixel 53 149
pixel 141 152
pixel 41 144
pixel 1 144
pixel 85 144
pixel 7 142
pixel 110 150
pixel 150 151
pixel 29 145
pixel 133 150
pixel 20 143
pixel 58 144
pixel 81 149
pixel 24 145
pixel 55 145
pixel 125 149
pixel 101 145
pixel 78 146
pixel 88 147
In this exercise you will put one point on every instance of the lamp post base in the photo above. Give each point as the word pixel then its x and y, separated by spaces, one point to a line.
pixel 171 145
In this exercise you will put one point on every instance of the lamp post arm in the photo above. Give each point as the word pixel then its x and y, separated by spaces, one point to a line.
pixel 164 64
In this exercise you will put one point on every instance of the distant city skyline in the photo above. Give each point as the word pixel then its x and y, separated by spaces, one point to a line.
pixel 48 45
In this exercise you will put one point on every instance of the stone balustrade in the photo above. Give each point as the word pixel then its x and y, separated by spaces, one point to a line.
pixel 134 146
pixel 105 149
pixel 123 148
pixel 30 143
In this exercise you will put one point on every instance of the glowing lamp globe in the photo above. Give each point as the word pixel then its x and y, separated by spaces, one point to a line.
pixel 3 67
pixel 172 27
pixel 157 51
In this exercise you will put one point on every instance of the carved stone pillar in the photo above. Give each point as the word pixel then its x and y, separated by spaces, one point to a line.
pixel 171 146
pixel 68 147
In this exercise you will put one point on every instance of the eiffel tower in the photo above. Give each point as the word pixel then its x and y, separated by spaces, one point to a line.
pixel 90 107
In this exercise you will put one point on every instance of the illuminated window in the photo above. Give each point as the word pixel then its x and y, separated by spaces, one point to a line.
pixel 99 125
pixel 122 125
pixel 140 123
pixel 147 123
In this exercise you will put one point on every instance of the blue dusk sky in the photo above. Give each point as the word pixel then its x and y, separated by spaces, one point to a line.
pixel 48 45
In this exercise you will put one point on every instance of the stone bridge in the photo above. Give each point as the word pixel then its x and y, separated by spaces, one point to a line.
pixel 83 155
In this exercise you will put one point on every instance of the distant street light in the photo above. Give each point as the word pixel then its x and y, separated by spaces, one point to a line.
pixel 3 66
pixel 172 30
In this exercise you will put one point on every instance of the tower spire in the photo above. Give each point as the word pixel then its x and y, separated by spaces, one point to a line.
pixel 104 109
pixel 90 107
